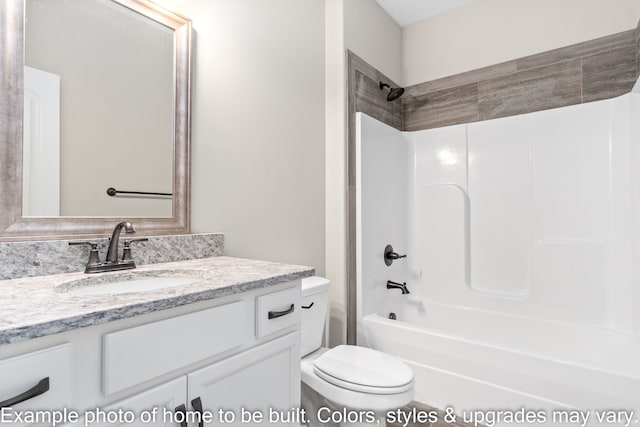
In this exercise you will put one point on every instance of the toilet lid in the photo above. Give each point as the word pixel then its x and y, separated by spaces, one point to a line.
pixel 363 369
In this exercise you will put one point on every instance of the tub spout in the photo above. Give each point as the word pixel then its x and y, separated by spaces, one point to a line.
pixel 395 285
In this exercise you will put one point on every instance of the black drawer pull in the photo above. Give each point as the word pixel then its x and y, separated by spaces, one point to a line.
pixel 182 410
pixel 197 405
pixel 40 388
pixel 276 314
pixel 308 306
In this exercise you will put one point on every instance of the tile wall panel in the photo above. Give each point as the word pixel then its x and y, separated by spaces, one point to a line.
pixel 442 108
pixel 608 74
pixel 593 70
pixel 553 86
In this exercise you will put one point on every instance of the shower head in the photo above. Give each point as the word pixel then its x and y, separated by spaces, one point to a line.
pixel 394 93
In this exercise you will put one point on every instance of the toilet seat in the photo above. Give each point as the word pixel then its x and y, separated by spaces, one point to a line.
pixel 342 397
pixel 363 370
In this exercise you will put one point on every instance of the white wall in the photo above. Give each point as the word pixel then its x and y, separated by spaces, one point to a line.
pixel 258 130
pixel 335 151
pixel 364 28
pixel 372 35
pixel 488 32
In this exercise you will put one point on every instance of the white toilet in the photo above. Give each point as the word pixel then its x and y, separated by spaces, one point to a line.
pixel 354 382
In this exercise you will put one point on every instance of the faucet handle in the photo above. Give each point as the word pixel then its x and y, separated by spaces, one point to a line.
pixel 94 257
pixel 126 251
pixel 390 255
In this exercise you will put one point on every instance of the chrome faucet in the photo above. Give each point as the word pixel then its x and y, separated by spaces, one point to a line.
pixel 112 252
pixel 111 262
pixel 395 285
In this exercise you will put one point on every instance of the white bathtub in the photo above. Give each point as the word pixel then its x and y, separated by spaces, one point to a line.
pixel 472 360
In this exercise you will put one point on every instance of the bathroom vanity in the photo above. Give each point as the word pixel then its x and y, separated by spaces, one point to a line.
pixel 224 338
pixel 175 336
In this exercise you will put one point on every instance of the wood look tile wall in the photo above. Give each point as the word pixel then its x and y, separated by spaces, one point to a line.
pixel 363 95
pixel 551 86
pixel 585 72
pixel 608 74
pixel 444 107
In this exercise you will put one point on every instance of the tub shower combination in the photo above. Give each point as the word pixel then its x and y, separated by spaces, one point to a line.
pixel 522 239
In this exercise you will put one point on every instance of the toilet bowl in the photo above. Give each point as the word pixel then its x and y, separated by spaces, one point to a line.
pixel 357 385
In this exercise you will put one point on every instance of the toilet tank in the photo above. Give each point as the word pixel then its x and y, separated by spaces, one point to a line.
pixel 315 293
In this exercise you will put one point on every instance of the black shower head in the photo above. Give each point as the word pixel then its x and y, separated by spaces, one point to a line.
pixel 394 93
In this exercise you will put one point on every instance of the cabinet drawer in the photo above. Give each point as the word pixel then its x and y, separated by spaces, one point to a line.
pixel 135 355
pixel 22 373
pixel 277 311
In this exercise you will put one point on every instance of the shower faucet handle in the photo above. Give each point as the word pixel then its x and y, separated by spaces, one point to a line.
pixel 394 255
pixel 390 255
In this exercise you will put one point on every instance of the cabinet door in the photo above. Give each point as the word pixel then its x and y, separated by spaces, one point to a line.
pixel 155 407
pixel 37 381
pixel 263 380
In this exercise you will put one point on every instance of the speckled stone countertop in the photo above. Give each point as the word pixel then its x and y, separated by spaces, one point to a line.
pixel 32 307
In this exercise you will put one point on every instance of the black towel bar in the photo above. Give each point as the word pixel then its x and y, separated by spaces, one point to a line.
pixel 113 192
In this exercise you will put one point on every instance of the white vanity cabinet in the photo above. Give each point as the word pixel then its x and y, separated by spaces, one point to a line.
pixel 152 408
pixel 217 356
pixel 255 383
pixel 36 380
pixel 262 381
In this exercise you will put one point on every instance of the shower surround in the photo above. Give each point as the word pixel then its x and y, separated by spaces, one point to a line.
pixel 585 72
pixel 522 238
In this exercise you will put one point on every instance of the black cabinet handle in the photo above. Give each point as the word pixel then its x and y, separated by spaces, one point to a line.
pixel 197 405
pixel 183 410
pixel 276 314
pixel 308 306
pixel 40 388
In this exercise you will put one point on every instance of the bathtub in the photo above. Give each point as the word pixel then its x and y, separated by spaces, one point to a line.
pixel 479 362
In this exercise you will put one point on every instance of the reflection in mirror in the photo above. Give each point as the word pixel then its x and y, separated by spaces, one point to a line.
pixel 125 137
pixel 98 110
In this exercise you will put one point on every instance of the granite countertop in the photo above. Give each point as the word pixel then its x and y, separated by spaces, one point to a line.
pixel 33 307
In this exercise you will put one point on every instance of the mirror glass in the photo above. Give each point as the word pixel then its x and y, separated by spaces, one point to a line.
pixel 99 108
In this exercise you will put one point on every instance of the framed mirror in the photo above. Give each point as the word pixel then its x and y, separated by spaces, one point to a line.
pixel 95 118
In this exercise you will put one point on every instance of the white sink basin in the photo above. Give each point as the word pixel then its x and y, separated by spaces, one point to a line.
pixel 129 282
pixel 140 285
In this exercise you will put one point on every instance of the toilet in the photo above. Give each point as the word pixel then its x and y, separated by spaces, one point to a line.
pixel 346 385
